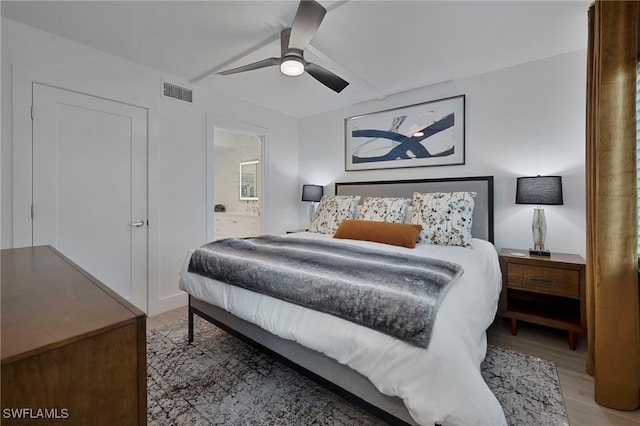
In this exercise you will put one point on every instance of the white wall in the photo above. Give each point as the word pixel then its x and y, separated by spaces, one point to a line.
pixel 521 121
pixel 178 147
pixel 6 156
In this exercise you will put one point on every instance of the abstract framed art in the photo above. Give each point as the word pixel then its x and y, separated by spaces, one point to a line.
pixel 420 135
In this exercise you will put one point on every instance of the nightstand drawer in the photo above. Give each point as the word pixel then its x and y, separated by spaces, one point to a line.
pixel 561 282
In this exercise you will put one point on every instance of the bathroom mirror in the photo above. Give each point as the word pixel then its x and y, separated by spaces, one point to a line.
pixel 249 180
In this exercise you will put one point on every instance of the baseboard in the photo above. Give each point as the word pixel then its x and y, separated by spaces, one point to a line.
pixel 168 303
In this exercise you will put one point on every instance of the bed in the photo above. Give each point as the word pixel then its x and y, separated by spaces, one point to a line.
pixel 395 380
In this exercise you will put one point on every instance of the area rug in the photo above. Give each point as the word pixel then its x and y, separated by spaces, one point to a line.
pixel 220 380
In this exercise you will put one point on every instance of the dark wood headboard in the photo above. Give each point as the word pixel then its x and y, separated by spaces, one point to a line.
pixel 483 185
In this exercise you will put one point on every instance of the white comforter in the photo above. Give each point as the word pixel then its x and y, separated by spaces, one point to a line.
pixel 441 384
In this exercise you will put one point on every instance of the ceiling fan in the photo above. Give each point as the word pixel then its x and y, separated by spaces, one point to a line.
pixel 292 43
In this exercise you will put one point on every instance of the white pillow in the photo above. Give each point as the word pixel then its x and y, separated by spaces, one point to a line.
pixel 383 209
pixel 408 213
pixel 446 217
pixel 358 210
pixel 331 211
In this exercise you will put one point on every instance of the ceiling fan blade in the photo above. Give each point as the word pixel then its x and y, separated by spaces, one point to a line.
pixel 254 66
pixel 307 21
pixel 326 77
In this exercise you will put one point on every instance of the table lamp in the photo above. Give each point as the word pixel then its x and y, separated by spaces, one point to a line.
pixel 312 193
pixel 540 190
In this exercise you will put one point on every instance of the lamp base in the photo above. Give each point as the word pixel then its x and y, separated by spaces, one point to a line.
pixel 312 211
pixel 534 252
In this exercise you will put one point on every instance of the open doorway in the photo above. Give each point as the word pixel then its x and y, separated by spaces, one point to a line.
pixel 238 184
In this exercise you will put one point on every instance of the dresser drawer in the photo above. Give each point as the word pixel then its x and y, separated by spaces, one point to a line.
pixel 560 282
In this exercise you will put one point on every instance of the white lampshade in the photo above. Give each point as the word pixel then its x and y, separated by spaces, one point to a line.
pixel 292 66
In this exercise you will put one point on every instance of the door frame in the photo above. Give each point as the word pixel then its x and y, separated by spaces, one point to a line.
pixel 215 121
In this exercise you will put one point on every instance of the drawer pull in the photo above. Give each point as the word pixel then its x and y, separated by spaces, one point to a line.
pixel 545 280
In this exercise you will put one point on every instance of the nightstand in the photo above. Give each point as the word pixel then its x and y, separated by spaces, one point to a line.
pixel 297 230
pixel 545 290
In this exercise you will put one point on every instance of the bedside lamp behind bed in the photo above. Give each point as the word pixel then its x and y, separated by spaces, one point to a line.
pixel 312 193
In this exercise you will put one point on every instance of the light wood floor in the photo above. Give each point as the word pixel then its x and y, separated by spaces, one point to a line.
pixel 577 386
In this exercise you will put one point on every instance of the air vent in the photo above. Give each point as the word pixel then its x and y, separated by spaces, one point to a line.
pixel 177 92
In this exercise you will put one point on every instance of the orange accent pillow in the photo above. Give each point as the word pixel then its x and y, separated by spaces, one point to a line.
pixel 397 234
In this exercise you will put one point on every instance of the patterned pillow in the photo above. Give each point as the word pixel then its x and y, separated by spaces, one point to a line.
pixel 331 211
pixel 383 209
pixel 446 217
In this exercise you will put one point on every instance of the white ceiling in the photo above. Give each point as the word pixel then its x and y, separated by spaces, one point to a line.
pixel 380 47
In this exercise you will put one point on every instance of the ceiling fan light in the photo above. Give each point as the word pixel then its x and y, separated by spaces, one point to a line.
pixel 292 67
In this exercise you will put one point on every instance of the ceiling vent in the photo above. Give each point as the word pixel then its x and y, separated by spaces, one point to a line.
pixel 176 92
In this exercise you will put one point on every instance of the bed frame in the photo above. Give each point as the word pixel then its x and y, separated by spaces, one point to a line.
pixel 337 377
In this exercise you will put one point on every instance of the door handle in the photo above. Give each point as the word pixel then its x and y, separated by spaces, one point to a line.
pixel 137 223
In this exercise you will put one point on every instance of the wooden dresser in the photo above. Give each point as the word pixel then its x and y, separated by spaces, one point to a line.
pixel 73 351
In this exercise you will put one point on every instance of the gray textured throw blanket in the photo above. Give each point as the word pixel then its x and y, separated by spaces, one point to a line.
pixel 392 293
